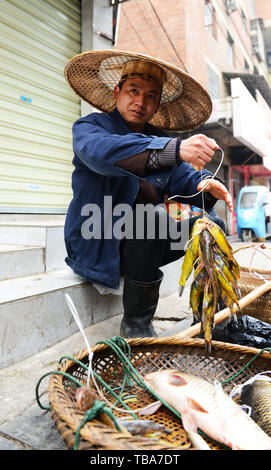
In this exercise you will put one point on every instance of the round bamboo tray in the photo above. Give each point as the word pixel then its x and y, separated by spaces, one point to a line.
pixel 147 354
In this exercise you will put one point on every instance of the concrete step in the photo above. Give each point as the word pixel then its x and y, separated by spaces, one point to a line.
pixel 18 261
pixel 34 314
pixel 24 217
pixel 45 234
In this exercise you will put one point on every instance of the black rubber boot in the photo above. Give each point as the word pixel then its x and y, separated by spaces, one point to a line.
pixel 140 300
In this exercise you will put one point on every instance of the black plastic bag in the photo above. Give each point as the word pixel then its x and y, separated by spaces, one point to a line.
pixel 246 331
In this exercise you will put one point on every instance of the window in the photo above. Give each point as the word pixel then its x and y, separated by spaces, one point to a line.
pixel 246 67
pixel 213 84
pixel 248 200
pixel 244 20
pixel 115 22
pixel 210 18
pixel 255 70
pixel 116 2
pixel 230 49
pixel 268 60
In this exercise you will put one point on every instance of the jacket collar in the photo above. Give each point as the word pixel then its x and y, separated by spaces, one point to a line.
pixel 119 122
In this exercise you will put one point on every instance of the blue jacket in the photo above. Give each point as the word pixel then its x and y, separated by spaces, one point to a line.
pixel 100 140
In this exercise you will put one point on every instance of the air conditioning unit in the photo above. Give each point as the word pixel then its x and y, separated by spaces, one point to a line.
pixel 231 5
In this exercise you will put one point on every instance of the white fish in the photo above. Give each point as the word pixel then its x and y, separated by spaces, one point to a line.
pixel 207 407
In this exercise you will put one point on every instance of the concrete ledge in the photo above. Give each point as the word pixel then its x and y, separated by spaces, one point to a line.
pixel 44 234
pixel 34 314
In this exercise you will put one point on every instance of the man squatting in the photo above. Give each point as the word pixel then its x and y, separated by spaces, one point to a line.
pixel 121 154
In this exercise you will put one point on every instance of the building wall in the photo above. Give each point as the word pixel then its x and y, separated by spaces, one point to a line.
pixel 207 49
pixel 263 9
pixel 195 43
pixel 149 27
pixel 175 31
pixel 96 30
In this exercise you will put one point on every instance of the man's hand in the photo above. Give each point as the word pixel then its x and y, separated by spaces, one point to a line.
pixel 217 190
pixel 198 150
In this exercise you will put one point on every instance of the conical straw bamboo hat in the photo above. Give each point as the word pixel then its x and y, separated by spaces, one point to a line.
pixel 185 104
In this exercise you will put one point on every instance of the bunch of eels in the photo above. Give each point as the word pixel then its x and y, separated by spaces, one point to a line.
pixel 216 274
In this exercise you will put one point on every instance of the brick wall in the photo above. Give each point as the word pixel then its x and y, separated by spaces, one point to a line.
pixel 174 31
pixel 263 9
pixel 149 27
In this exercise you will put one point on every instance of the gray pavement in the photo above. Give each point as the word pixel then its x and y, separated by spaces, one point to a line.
pixel 23 424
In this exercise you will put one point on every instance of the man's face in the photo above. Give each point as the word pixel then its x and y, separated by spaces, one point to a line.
pixel 137 101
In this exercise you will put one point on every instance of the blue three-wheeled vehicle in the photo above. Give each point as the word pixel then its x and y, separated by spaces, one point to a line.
pixel 254 213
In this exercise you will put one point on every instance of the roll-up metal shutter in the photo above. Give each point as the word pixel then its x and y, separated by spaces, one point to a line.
pixel 38 108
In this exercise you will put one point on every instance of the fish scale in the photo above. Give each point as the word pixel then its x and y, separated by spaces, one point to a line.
pixel 257 395
pixel 207 407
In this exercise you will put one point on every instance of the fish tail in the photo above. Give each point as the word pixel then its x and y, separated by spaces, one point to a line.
pixel 208 345
pixel 180 290
pixel 228 291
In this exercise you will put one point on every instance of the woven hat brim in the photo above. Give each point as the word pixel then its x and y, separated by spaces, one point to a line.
pixel 185 104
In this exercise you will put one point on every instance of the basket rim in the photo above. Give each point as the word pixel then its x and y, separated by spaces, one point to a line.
pixel 171 340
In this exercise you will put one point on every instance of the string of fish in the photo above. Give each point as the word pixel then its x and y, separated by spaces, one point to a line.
pixel 216 272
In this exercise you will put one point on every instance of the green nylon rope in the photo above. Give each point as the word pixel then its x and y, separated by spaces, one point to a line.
pixel 77 382
pixel 246 365
pixel 132 371
pixel 57 372
pixel 104 384
pixel 97 408
pixel 116 343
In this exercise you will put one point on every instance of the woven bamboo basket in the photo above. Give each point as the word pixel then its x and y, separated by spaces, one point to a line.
pixel 147 354
pixel 260 308
pixel 250 279
pixel 183 350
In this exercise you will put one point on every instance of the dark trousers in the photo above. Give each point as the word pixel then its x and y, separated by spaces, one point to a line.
pixel 141 258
